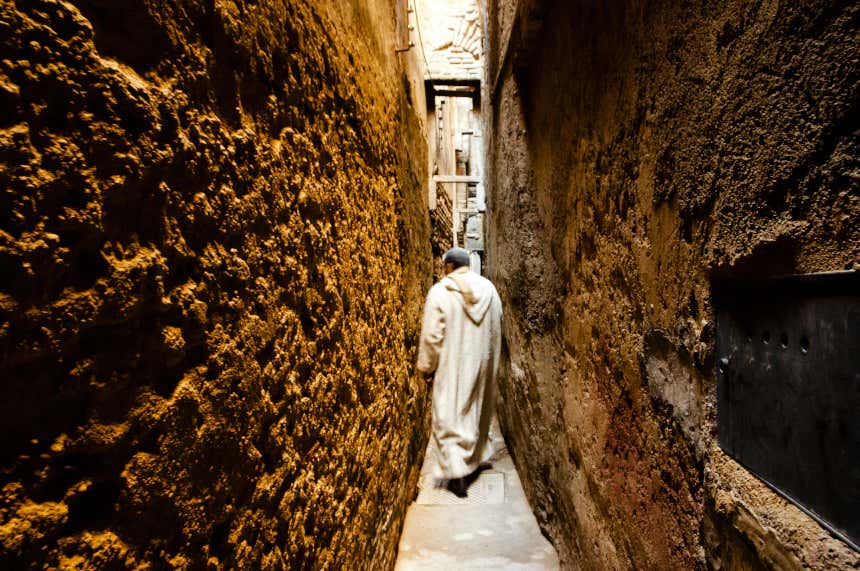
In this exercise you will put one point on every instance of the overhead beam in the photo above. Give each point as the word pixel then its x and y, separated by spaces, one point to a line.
pixel 455 81
pixel 435 87
pixel 452 93
pixel 456 178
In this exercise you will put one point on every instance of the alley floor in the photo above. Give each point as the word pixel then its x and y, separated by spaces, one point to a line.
pixel 493 528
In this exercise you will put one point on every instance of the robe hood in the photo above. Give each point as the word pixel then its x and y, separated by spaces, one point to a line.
pixel 475 292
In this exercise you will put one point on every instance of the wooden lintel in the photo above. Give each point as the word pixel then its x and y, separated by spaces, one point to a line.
pixel 457 178
pixel 460 82
pixel 451 93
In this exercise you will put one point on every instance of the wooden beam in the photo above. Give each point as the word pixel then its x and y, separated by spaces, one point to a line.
pixel 451 81
pixel 452 93
pixel 456 178
pixel 434 87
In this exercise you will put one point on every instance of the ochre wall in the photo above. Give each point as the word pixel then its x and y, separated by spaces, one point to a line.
pixel 213 248
pixel 640 150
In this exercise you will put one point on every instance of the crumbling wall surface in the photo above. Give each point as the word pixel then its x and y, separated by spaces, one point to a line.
pixel 213 245
pixel 640 150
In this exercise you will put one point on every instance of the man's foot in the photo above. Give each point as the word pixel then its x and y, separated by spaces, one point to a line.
pixel 458 487
pixel 470 479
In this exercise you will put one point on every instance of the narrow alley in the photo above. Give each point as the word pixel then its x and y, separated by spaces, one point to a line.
pixel 220 221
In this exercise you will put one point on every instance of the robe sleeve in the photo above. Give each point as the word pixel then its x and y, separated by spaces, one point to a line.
pixel 432 335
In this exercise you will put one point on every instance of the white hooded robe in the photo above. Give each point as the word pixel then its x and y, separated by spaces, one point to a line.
pixel 461 340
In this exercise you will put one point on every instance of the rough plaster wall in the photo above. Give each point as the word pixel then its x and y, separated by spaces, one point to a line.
pixel 647 148
pixel 213 249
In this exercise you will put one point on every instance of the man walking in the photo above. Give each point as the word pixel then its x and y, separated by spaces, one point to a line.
pixel 460 343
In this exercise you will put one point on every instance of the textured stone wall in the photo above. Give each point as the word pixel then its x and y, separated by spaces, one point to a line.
pixel 640 150
pixel 213 248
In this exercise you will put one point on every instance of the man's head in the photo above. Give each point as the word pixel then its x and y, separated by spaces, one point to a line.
pixel 455 258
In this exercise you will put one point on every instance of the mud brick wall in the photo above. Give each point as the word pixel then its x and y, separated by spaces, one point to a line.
pixel 639 151
pixel 213 249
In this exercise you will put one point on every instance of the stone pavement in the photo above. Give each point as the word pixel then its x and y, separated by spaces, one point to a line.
pixel 494 528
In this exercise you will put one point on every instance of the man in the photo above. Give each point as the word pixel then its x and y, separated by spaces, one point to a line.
pixel 459 350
